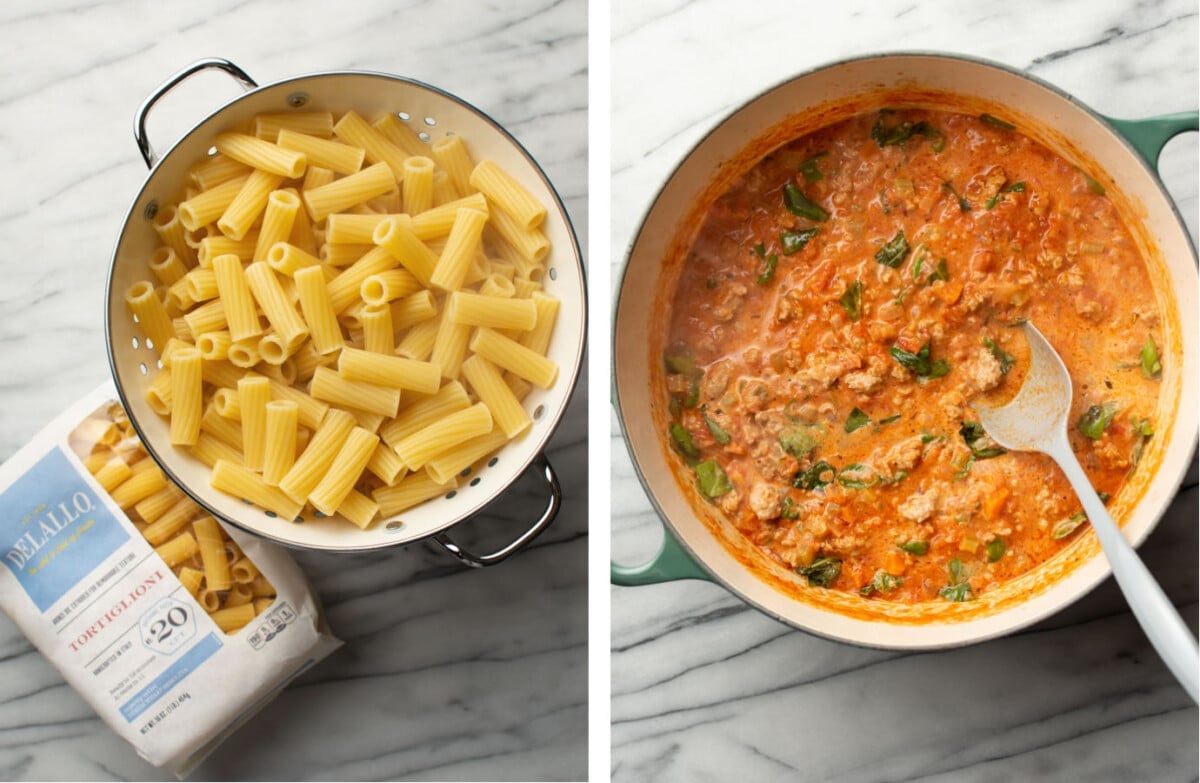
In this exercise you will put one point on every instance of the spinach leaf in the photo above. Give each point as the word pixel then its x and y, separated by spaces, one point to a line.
pixel 1068 526
pixel 1142 432
pixel 822 572
pixel 894 252
pixel 995 549
pixel 1092 184
pixel 719 435
pixel 941 273
pixel 920 363
pixel 959 588
pixel 981 444
pixel 916 272
pixel 1151 364
pixel 712 479
pixel 963 204
pixel 813 478
pixel 809 168
pixel 693 396
pixel 681 441
pixel 680 363
pixel 915 547
pixel 768 272
pixel 889 420
pixel 799 204
pixel 852 300
pixel 800 440
pixel 958 592
pixel 795 241
pixel 996 122
pixel 788 509
pixel 901 132
pixel 1006 359
pixel 857 476
pixel 857 420
pixel 882 582
pixel 1096 418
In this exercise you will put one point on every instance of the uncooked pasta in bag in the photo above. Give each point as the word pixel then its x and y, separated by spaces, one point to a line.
pixel 175 627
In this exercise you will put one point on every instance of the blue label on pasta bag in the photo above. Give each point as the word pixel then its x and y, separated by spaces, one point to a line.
pixel 54 530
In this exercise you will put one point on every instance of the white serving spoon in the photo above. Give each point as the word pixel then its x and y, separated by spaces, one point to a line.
pixel 1036 420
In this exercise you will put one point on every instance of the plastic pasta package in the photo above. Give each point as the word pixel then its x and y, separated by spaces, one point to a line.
pixel 175 627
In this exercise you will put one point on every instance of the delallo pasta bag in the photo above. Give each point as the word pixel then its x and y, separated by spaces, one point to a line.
pixel 175 627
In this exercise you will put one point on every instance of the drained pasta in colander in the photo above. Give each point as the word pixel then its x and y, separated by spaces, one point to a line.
pixel 348 317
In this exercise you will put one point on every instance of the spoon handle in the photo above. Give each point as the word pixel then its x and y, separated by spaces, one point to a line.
pixel 1157 615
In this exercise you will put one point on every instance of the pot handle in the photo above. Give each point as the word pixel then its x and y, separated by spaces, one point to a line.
pixel 548 514
pixel 672 563
pixel 139 119
pixel 1149 135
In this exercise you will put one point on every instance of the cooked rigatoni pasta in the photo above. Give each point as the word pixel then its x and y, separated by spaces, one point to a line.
pixel 338 158
pixel 261 155
pixel 488 385
pixel 417 191
pixel 383 287
pixel 348 191
pixel 471 309
pixel 451 154
pixel 335 389
pixel 276 305
pixel 249 204
pixel 337 265
pixel 254 392
pixel 145 305
pixel 167 265
pixel 508 194
pixel 237 302
pixel 278 217
pixel 313 123
pixel 215 170
pixel 186 396
pixel 514 357
pixel 455 261
pixel 311 466
pixel 389 371
pixel 445 434
pixel 347 229
pixel 355 131
pixel 282 419
pixel 347 467
pixel 205 207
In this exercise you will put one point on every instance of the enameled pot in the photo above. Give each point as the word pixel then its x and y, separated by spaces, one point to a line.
pixel 699 543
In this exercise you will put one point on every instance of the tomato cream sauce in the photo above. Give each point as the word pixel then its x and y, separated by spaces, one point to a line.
pixel 843 303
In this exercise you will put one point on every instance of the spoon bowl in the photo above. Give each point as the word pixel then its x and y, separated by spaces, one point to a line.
pixel 1036 420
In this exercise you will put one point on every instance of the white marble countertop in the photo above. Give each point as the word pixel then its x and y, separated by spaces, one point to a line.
pixel 705 687
pixel 447 672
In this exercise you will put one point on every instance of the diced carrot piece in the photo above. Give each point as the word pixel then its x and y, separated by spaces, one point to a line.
pixel 948 292
pixel 994 501
pixel 895 563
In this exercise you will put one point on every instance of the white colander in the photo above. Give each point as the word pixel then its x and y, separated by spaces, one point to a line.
pixel 434 114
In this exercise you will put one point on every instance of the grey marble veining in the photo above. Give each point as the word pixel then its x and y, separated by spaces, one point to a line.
pixel 447 673
pixel 705 688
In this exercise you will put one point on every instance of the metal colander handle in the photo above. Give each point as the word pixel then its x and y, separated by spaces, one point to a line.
pixel 553 503
pixel 139 119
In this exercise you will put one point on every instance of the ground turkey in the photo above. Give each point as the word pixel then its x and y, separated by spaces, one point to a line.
pixel 918 508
